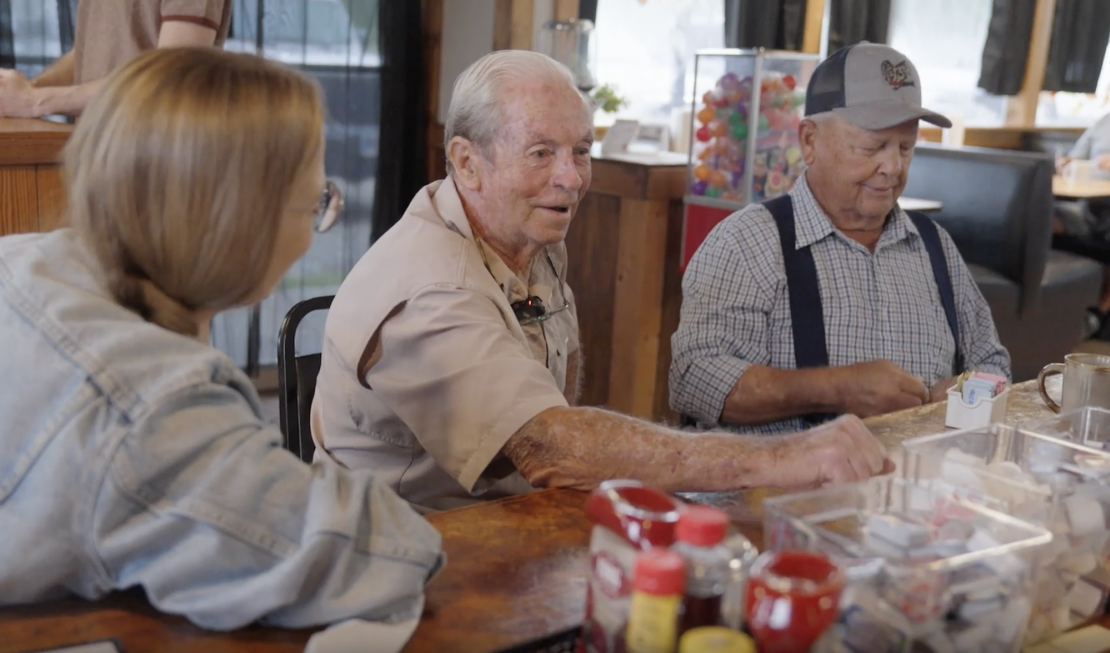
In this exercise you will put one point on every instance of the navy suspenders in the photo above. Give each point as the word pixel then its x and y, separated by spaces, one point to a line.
pixel 807 315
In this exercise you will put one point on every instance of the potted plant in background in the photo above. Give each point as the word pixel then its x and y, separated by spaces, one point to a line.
pixel 606 100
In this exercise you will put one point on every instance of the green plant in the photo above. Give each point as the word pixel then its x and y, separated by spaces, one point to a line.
pixel 605 98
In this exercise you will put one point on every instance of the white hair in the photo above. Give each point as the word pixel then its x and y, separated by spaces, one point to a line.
pixel 475 110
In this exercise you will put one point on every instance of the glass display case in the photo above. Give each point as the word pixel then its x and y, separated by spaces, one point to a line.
pixel 744 125
pixel 927 571
pixel 1051 473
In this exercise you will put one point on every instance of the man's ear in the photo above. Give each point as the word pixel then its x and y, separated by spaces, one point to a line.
pixel 465 159
pixel 807 140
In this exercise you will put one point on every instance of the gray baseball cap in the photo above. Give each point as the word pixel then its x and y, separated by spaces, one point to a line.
pixel 871 86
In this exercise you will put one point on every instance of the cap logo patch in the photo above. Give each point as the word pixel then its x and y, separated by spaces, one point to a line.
pixel 897 74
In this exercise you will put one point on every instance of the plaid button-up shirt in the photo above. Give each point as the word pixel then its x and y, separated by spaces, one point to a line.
pixel 881 305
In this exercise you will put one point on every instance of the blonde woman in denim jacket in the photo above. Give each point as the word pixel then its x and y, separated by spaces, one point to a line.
pixel 131 452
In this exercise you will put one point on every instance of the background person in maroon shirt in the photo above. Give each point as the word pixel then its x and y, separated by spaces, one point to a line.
pixel 109 34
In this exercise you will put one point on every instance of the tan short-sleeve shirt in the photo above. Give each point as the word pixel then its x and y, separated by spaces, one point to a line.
pixel 110 33
pixel 452 372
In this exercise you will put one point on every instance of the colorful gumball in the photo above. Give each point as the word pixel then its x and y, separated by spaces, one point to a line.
pixel 702 134
pixel 740 131
pixel 774 181
pixel 718 128
pixel 705 154
pixel 793 155
pixel 789 82
pixel 698 187
pixel 712 192
pixel 762 122
pixel 716 178
pixel 735 118
pixel 706 114
pixel 702 172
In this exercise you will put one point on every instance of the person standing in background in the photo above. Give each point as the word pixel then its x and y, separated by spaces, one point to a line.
pixel 109 34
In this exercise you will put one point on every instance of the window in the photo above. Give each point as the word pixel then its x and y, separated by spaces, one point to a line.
pixel 1076 109
pixel 335 41
pixel 645 48
pixel 36 40
pixel 944 39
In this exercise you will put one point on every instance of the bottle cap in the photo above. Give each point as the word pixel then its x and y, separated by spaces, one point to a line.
pixel 715 639
pixel 702 526
pixel 660 572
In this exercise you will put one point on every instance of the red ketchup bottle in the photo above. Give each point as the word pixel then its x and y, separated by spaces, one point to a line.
pixel 628 518
pixel 701 535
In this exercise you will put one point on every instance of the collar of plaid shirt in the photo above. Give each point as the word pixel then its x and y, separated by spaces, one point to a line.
pixel 812 224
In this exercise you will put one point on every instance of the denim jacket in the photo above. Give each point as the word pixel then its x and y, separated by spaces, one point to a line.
pixel 133 456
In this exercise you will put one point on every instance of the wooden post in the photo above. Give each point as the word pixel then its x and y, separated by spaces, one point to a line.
pixel 512 24
pixel 815 18
pixel 1021 109
pixel 566 9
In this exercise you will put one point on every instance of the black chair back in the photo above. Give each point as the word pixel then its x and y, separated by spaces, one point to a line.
pixel 997 208
pixel 297 380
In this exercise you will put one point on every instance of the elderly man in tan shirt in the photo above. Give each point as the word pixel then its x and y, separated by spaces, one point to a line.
pixel 451 361
pixel 110 33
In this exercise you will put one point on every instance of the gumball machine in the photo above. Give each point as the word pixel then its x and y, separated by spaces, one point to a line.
pixel 746 110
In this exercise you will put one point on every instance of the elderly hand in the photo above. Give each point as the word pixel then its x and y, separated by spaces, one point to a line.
pixel 1103 162
pixel 17 95
pixel 939 391
pixel 1062 162
pixel 877 387
pixel 840 451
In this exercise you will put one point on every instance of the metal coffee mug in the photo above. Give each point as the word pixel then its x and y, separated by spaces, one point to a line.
pixel 1086 382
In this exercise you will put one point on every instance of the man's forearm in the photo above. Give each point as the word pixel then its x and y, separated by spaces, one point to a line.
pixel 551 450
pixel 60 73
pixel 766 394
pixel 65 100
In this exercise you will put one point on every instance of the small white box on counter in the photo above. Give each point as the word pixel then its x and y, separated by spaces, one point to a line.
pixel 982 413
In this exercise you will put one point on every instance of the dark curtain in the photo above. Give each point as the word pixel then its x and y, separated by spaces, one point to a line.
pixel 1080 31
pixel 587 10
pixel 1007 46
pixel 771 24
pixel 852 21
pixel 402 147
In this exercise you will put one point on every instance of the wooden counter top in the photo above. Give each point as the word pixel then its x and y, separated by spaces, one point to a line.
pixel 1090 189
pixel 516 571
pixel 31 142
pixel 642 177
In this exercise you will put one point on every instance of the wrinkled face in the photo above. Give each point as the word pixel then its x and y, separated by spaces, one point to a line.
pixel 857 174
pixel 530 179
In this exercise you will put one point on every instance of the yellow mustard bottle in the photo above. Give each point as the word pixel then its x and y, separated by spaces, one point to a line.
pixel 715 639
pixel 658 583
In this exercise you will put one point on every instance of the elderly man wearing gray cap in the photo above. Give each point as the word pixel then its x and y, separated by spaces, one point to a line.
pixel 832 299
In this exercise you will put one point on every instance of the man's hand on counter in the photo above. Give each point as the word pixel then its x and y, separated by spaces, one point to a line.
pixel 17 96
pixel 840 451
